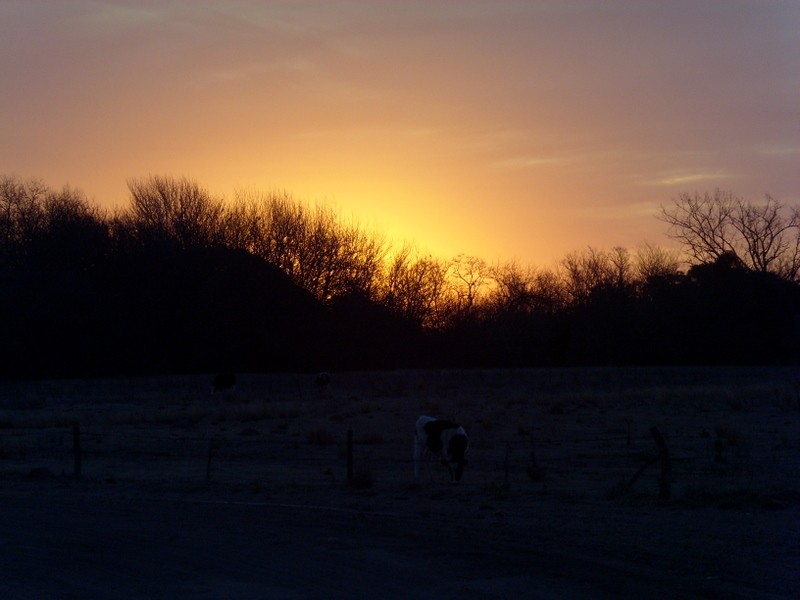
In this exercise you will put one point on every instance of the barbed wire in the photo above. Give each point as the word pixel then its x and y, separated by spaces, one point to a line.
pixel 229 453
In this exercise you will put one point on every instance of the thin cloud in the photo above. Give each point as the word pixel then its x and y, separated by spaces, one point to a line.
pixel 104 15
pixel 682 178
pixel 248 72
pixel 779 150
pixel 528 162
pixel 509 108
pixel 618 212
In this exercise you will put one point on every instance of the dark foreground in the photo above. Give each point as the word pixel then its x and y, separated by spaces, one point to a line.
pixel 271 516
pixel 79 541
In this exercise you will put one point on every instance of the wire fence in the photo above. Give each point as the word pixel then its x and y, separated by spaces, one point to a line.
pixel 632 461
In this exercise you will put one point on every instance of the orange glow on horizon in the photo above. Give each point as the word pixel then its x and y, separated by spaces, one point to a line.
pixel 468 127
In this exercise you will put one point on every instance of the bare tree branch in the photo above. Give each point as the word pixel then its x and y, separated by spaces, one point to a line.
pixel 762 236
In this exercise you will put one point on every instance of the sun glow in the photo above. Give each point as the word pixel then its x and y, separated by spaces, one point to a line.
pixel 462 129
pixel 389 209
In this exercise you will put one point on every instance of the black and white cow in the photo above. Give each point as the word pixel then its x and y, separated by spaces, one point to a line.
pixel 441 439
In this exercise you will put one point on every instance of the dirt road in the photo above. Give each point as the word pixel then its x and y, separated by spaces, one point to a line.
pixel 85 541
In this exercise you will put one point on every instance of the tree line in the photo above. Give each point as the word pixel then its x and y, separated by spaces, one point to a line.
pixel 182 280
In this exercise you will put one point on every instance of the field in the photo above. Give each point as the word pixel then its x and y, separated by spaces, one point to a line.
pixel 249 494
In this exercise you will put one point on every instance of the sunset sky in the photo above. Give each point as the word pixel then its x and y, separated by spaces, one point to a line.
pixel 505 129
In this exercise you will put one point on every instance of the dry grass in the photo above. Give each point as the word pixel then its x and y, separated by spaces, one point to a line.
pixel 552 452
pixel 589 428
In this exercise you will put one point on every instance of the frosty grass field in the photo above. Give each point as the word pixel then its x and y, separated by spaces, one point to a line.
pixel 248 493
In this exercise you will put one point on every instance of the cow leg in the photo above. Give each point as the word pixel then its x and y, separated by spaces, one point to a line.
pixel 450 469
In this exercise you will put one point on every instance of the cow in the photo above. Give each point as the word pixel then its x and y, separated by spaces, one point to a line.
pixel 442 439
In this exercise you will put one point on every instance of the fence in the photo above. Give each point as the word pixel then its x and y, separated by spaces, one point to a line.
pixel 646 461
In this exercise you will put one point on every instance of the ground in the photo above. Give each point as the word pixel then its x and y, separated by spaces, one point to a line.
pixel 246 495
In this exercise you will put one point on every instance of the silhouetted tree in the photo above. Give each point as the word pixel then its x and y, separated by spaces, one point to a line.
pixel 621 267
pixel 655 262
pixel 73 234
pixel 592 269
pixel 765 236
pixel 469 277
pixel 313 247
pixel 179 210
pixel 738 315
pixel 368 335
pixel 21 214
pixel 513 289
pixel 414 287
pixel 183 281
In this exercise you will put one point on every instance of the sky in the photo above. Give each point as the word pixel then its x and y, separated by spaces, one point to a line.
pixel 508 130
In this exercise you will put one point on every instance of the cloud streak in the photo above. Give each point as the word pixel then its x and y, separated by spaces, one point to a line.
pixel 691 178
pixel 477 127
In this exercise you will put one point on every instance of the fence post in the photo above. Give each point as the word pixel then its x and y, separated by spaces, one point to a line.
pixel 349 456
pixel 76 448
pixel 208 463
pixel 507 462
pixel 534 471
pixel 665 478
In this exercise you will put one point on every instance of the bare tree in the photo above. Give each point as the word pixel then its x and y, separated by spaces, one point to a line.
pixel 75 233
pixel 283 223
pixel 512 290
pixel 360 261
pixel 69 206
pixel 549 291
pixel 584 272
pixel 653 261
pixel 234 227
pixel 468 276
pixel 702 224
pixel 414 286
pixel 526 290
pixel 177 209
pixel 311 245
pixel 49 227
pixel 621 266
pixel 771 235
pixel 765 237
pixel 22 212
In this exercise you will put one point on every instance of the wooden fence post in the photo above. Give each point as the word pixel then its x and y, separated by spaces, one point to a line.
pixel 534 471
pixel 76 448
pixel 665 479
pixel 507 462
pixel 208 462
pixel 349 456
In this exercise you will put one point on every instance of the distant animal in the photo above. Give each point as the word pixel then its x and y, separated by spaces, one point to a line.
pixel 442 439
pixel 322 380
pixel 223 382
